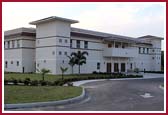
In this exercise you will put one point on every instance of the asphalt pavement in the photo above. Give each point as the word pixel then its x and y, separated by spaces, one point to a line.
pixel 117 95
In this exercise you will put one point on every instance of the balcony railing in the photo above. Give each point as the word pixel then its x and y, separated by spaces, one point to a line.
pixel 120 52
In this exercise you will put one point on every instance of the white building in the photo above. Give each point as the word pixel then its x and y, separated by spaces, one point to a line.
pixel 47 46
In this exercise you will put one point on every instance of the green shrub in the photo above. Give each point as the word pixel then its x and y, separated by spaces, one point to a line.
pixel 27 81
pixel 34 83
pixel 43 83
pixel 14 81
pixel 6 81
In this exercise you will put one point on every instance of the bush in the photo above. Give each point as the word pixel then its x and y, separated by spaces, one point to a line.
pixel 161 72
pixel 27 81
pixel 14 81
pixel 94 72
pixel 43 83
pixel 6 81
pixel 34 83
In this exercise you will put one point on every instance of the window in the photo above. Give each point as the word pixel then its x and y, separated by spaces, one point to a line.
pixel 17 63
pixel 66 41
pixel 60 40
pixel 147 50
pixel 4 45
pixel 18 44
pixel 44 61
pixel 53 53
pixel 71 43
pixel 109 45
pixel 11 62
pixel 98 65
pixel 77 43
pixel 8 44
pixel 60 53
pixel 130 65
pixel 6 64
pixel 13 44
pixel 65 53
pixel 139 50
pixel 116 45
pixel 143 50
pixel 153 50
pixel 153 58
pixel 86 44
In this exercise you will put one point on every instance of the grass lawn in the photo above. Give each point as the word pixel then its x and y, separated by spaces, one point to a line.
pixel 24 94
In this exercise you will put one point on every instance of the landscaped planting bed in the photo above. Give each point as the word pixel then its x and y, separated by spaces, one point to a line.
pixel 56 80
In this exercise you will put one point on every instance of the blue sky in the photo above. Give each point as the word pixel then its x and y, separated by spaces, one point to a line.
pixel 129 19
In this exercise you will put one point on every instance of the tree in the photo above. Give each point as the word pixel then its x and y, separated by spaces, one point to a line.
pixel 43 72
pixel 71 62
pixel 79 58
pixel 63 70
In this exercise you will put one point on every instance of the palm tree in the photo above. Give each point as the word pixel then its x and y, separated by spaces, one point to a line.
pixel 79 58
pixel 63 70
pixel 43 72
pixel 71 62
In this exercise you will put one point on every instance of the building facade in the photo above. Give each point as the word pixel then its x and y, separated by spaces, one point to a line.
pixel 47 46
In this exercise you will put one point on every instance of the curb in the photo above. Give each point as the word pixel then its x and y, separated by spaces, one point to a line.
pixel 79 83
pixel 50 103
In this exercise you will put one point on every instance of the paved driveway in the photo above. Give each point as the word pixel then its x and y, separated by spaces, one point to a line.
pixel 123 95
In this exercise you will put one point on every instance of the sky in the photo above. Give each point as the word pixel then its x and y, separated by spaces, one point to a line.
pixel 128 19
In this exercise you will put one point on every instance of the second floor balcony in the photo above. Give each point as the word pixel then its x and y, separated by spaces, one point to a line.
pixel 120 52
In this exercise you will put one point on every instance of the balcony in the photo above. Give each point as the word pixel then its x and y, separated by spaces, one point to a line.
pixel 120 52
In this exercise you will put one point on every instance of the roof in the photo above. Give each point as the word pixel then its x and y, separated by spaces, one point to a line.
pixel 21 31
pixel 53 18
pixel 150 36
pixel 102 35
pixel 80 32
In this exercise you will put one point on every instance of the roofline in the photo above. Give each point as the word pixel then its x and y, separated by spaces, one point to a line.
pixel 53 18
pixel 21 31
pixel 150 36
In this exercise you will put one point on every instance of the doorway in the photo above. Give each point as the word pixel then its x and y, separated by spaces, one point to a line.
pixel 122 67
pixel 108 67
pixel 116 67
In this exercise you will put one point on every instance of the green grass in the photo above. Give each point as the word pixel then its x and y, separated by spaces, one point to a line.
pixel 27 94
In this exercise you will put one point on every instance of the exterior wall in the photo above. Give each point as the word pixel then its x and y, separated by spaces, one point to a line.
pixel 52 45
pixel 13 55
pixel 52 38
pixel 21 55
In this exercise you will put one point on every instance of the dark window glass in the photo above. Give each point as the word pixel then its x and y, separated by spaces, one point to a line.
pixel 6 64
pixel 60 40
pixel 66 41
pixel 98 65
pixel 77 43
pixel 17 63
pixel 86 44
pixel 65 53
pixel 60 53
pixel 71 43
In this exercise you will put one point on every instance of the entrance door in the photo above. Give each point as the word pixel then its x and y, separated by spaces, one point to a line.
pixel 122 67
pixel 108 67
pixel 116 67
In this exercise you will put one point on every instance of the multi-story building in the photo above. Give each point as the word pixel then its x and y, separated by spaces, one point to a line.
pixel 48 45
